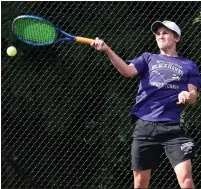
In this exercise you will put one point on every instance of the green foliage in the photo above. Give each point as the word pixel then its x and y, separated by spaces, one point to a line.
pixel 198 18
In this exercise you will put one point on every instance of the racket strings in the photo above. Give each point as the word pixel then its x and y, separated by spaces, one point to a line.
pixel 34 30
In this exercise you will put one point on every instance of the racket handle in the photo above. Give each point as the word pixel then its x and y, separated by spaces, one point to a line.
pixel 84 40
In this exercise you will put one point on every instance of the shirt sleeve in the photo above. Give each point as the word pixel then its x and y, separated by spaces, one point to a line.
pixel 140 63
pixel 194 76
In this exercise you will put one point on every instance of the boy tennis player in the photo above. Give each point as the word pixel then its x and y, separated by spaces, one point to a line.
pixel 167 82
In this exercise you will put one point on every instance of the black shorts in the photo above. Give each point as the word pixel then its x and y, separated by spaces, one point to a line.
pixel 151 139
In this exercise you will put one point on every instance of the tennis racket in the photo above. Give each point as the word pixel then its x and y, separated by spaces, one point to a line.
pixel 37 31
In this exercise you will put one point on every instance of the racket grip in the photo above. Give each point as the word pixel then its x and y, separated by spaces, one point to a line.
pixel 84 40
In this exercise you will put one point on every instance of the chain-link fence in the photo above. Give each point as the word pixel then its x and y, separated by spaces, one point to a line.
pixel 65 108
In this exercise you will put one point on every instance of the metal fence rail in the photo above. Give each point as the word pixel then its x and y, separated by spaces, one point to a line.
pixel 65 108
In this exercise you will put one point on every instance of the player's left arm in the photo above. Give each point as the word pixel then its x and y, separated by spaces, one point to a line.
pixel 193 94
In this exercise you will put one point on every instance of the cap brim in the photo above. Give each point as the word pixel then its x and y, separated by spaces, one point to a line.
pixel 156 25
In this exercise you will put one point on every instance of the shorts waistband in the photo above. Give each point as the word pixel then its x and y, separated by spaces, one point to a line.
pixel 164 123
pixel 161 123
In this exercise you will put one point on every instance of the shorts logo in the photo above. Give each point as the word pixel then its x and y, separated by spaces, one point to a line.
pixel 187 147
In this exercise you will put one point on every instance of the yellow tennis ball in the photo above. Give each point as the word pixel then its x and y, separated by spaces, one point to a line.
pixel 11 51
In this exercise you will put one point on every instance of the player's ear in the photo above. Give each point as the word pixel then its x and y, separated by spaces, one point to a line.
pixel 177 39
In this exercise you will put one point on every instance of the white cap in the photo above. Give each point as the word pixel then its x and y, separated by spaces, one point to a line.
pixel 168 24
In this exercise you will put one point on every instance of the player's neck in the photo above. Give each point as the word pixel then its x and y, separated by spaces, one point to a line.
pixel 169 52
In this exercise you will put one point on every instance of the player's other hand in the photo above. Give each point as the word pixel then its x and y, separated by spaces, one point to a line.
pixel 183 97
pixel 99 45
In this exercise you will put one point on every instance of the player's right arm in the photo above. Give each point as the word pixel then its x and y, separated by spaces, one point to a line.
pixel 125 69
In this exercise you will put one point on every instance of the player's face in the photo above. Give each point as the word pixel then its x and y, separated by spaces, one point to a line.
pixel 166 39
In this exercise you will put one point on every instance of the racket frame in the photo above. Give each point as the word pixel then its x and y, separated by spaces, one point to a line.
pixel 58 31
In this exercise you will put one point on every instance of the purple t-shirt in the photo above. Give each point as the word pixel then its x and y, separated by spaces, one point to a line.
pixel 162 78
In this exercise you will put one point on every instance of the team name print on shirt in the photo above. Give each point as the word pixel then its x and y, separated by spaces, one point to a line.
pixel 165 74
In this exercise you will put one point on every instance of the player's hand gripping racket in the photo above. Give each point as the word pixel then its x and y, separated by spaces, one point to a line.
pixel 37 31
